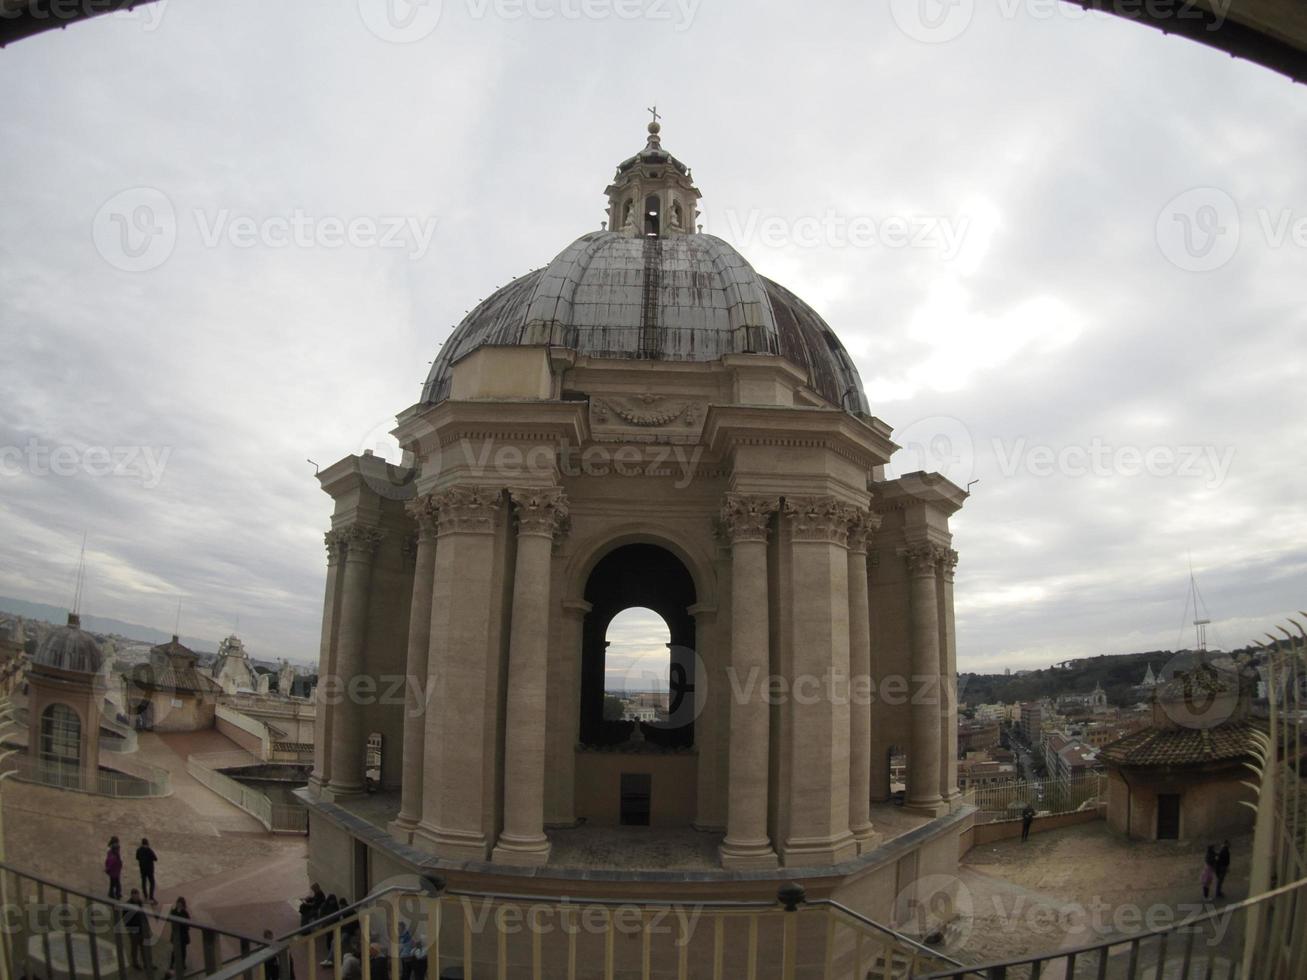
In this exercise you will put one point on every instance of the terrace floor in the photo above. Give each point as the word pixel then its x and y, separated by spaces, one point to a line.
pixel 1078 885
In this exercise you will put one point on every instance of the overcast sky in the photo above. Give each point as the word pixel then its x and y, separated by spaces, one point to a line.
pixel 1067 254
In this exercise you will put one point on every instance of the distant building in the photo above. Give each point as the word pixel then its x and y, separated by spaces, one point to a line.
pixel 169 693
pixel 1031 722
pixel 974 736
pixel 232 669
pixel 1183 777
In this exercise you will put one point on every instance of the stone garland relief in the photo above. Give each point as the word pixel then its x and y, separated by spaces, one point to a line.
pixel 659 417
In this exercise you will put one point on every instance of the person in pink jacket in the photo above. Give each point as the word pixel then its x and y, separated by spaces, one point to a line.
pixel 113 867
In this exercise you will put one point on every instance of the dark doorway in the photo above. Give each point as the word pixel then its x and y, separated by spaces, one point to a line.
pixel 1168 816
pixel 652 577
pixel 637 796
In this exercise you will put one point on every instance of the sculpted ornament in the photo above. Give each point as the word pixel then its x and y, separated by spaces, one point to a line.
pixel 426 513
pixel 470 510
pixel 747 518
pixel 645 411
pixel 540 511
pixel 922 559
pixel 862 525
pixel 359 540
pixel 821 518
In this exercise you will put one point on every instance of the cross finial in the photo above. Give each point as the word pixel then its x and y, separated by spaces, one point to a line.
pixel 656 114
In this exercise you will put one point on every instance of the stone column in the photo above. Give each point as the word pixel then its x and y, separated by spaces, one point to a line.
pixel 457 785
pixel 923 686
pixel 948 678
pixel 323 719
pixel 745 521
pixel 540 513
pixel 348 751
pixel 819 689
pixel 860 528
pixel 416 699
pixel 565 732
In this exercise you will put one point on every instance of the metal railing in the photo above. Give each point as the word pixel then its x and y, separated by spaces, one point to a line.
pixel 1207 945
pixel 502 935
pixel 51 930
pixel 147 782
pixel 279 818
pixel 1004 800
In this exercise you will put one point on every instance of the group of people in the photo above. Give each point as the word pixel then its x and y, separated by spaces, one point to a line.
pixel 319 908
pixel 134 920
pixel 1216 865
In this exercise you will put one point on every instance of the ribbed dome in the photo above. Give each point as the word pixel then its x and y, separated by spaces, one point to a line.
pixel 678 298
pixel 70 648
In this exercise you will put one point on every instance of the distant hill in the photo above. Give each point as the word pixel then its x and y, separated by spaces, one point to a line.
pixel 100 624
pixel 1117 673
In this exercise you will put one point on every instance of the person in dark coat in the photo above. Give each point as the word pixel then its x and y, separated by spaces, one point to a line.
pixel 311 904
pixel 1027 818
pixel 1222 867
pixel 113 867
pixel 181 935
pixel 137 927
pixel 145 860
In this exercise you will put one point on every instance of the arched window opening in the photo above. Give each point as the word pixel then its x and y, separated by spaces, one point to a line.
pixel 638 676
pixel 653 208
pixel 60 752
pixel 372 762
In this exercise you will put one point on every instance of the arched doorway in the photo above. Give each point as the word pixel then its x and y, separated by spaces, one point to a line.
pixel 635 765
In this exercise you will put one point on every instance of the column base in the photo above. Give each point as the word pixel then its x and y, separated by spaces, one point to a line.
pixel 458 845
pixel 866 838
pixel 748 855
pixel 522 851
pixel 333 792
pixel 801 852
pixel 401 829
pixel 927 808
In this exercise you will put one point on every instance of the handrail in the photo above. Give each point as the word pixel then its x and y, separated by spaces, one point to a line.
pixel 1135 937
pixel 893 934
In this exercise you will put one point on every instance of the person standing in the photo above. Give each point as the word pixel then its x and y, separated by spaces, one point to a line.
pixel 1209 870
pixel 136 926
pixel 1222 867
pixel 181 936
pixel 113 867
pixel 145 860
pixel 1027 818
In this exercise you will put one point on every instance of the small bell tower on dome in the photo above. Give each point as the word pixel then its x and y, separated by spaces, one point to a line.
pixel 653 194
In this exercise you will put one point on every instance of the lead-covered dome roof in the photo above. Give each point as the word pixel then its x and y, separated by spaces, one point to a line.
pixel 685 298
pixel 69 648
pixel 651 288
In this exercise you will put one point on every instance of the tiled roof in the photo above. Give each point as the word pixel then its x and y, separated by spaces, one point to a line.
pixel 170 678
pixel 1180 746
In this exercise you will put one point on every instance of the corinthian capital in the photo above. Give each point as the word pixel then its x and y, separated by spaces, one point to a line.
pixel 922 559
pixel 948 563
pixel 746 518
pixel 819 518
pixel 541 511
pixel 335 542
pixel 426 513
pixel 360 541
pixel 467 509
pixel 862 525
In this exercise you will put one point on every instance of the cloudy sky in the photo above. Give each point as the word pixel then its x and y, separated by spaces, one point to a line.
pixel 1067 254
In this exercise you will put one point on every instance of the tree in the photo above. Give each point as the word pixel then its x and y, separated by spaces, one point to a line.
pixel 614 708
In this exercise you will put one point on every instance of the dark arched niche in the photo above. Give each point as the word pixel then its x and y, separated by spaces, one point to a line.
pixel 649 576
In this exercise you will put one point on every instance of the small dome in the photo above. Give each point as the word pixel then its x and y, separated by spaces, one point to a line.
pixel 685 298
pixel 70 648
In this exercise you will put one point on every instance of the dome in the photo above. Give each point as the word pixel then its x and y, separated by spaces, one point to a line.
pixel 685 298
pixel 70 648
pixel 650 288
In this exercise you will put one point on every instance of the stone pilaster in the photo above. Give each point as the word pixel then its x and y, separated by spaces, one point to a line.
pixel 948 563
pixel 457 785
pixel 924 781
pixel 348 750
pixel 861 526
pixel 819 689
pixel 540 514
pixel 324 720
pixel 423 511
pixel 745 522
